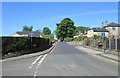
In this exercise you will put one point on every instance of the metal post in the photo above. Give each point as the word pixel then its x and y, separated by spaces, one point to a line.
pixel 104 44
pixel 49 36
pixel 116 44
pixel 31 44
pixel 109 43
pixel 31 35
pixel 49 40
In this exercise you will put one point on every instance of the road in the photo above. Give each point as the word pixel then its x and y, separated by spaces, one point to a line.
pixel 63 60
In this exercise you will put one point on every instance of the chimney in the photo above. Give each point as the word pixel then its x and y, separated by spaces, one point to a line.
pixel 102 24
pixel 106 23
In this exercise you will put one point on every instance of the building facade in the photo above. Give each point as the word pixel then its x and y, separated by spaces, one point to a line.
pixel 114 29
pixel 27 33
pixel 98 32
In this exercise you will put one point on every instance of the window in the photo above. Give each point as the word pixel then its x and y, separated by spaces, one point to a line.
pixel 113 28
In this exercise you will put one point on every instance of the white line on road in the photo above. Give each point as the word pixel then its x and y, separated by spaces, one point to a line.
pixel 43 57
pixel 41 60
pixel 35 62
pixel 53 48
pixel 39 64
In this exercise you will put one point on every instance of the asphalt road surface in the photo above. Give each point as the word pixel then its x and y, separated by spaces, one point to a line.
pixel 64 60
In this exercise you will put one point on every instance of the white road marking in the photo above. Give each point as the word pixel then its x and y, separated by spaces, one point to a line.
pixel 39 64
pixel 35 62
pixel 53 48
pixel 41 60
pixel 35 74
pixel 43 57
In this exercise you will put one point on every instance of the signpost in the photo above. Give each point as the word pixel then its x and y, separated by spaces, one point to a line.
pixel 104 40
pixel 103 34
pixel 31 35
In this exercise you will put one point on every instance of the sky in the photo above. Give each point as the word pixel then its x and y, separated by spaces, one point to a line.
pixel 46 14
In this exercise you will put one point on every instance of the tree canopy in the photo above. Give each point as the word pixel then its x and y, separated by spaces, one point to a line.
pixel 51 36
pixel 46 31
pixel 27 28
pixel 81 29
pixel 65 29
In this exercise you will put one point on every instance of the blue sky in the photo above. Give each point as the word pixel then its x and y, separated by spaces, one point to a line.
pixel 41 14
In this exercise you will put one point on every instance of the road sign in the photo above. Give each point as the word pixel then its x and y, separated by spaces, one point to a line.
pixel 31 35
pixel 103 34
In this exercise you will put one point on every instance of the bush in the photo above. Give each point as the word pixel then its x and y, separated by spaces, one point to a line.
pixel 51 37
pixel 80 38
pixel 19 44
pixel 69 39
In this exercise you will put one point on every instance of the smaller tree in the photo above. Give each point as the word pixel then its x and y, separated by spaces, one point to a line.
pixel 95 37
pixel 26 28
pixel 81 29
pixel 46 31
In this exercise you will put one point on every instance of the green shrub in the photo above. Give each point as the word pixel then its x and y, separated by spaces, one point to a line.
pixel 17 44
pixel 80 38
pixel 68 39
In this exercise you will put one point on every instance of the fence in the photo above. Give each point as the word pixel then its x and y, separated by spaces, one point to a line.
pixel 107 43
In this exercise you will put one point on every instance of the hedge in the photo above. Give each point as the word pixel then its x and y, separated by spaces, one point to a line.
pixel 18 44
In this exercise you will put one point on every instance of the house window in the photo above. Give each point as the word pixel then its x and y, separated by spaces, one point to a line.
pixel 113 28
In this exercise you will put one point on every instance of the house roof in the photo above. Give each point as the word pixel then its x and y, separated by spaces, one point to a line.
pixel 113 25
pixel 100 30
pixel 36 33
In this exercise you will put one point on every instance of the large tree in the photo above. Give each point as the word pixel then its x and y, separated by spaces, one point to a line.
pixel 27 28
pixel 46 31
pixel 65 29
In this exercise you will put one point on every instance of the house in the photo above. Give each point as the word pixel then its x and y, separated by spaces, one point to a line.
pixel 76 36
pixel 114 29
pixel 98 32
pixel 27 33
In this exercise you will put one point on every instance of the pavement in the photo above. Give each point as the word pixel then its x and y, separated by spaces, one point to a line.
pixel 63 60
pixel 96 52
